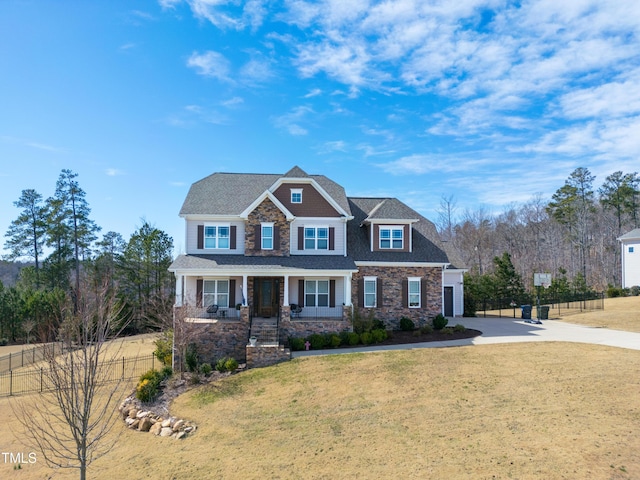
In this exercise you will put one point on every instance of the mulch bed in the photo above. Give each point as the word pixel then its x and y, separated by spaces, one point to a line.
pixel 401 337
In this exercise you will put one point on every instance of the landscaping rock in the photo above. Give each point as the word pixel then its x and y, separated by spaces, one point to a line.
pixel 166 432
pixel 145 424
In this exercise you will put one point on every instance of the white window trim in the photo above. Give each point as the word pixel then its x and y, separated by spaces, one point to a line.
pixel 328 294
pixel 296 191
pixel 391 229
pixel 215 293
pixel 262 236
pixel 375 291
pixel 217 237
pixel 417 280
pixel 315 236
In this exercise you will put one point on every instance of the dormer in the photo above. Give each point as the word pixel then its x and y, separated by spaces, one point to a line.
pixel 390 226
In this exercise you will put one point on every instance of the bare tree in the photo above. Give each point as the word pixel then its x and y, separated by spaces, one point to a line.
pixel 69 424
pixel 185 331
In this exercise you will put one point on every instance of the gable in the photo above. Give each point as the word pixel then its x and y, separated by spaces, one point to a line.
pixel 313 202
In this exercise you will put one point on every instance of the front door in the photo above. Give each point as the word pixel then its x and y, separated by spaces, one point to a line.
pixel 266 298
pixel 448 301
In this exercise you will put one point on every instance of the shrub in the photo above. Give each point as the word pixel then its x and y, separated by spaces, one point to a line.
pixel 195 379
pixel 635 291
pixel 366 338
pixel 406 324
pixel 344 338
pixel 447 331
pixel 231 364
pixel 4 342
pixel 296 343
pixel 191 357
pixel 146 391
pixel 440 321
pixel 333 340
pixel 354 338
pixel 614 292
pixel 164 348
pixel 317 341
pixel 206 369
pixel 166 372
pixel 379 335
pixel 147 387
pixel 426 329
pixel 459 328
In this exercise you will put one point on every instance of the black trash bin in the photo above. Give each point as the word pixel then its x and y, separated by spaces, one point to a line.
pixel 544 312
pixel 526 312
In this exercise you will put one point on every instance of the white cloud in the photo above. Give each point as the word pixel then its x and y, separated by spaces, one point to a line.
pixel 113 172
pixel 210 64
pixel 291 121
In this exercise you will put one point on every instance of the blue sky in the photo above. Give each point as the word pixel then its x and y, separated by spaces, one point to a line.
pixel 490 101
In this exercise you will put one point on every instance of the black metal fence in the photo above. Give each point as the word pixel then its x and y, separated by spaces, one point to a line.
pixel 558 306
pixel 38 380
pixel 28 356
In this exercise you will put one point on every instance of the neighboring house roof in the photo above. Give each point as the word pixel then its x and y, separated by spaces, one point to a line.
pixel 307 262
pixel 426 243
pixel 231 193
pixel 632 235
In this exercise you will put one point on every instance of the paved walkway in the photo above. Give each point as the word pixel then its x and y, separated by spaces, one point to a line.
pixel 509 330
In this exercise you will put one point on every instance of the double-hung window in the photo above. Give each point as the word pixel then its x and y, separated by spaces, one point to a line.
pixel 215 292
pixel 316 238
pixel 414 292
pixel 216 236
pixel 267 236
pixel 391 238
pixel 316 293
pixel 370 292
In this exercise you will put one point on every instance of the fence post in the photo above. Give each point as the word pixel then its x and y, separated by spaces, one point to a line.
pixel 10 362
pixel 22 357
pixel 41 373
pixel 122 368
pixel 10 382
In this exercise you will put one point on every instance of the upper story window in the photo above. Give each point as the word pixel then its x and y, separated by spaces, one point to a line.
pixel 392 238
pixel 630 249
pixel 296 195
pixel 316 238
pixel 216 236
pixel 414 292
pixel 267 236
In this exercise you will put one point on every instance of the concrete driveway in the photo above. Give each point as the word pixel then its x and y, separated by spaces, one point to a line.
pixel 509 330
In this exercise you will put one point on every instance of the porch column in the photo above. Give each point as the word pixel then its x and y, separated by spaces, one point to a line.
pixel 286 291
pixel 179 290
pixel 245 299
pixel 347 289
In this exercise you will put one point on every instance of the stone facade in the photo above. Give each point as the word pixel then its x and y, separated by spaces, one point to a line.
pixel 267 211
pixel 216 339
pixel 392 308
pixel 263 356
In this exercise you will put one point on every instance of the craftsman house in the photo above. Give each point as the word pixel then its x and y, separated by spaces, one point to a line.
pixel 279 255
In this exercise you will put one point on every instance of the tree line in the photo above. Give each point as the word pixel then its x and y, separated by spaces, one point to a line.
pixel 60 240
pixel 573 235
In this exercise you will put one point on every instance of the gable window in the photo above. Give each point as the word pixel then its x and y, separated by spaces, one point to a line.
pixel 630 249
pixel 370 292
pixel 414 292
pixel 267 236
pixel 215 292
pixel 216 236
pixel 316 238
pixel 391 238
pixel 316 293
pixel 296 195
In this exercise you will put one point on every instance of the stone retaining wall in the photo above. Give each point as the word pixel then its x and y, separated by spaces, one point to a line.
pixel 266 355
